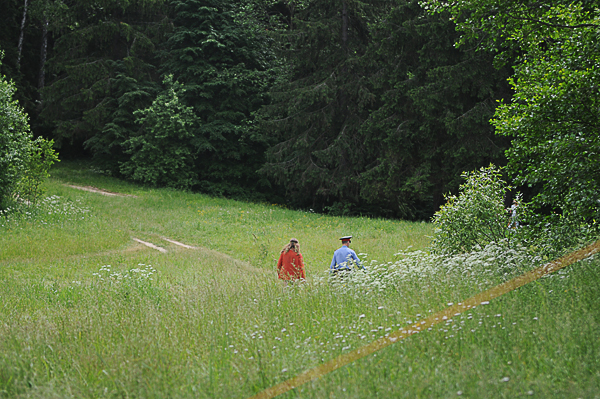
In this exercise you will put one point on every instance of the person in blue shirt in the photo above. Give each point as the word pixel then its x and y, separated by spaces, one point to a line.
pixel 344 257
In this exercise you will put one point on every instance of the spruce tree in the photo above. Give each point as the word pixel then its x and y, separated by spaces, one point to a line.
pixel 380 112
pixel 101 70
pixel 316 113
pixel 226 67
pixel 163 153
pixel 432 122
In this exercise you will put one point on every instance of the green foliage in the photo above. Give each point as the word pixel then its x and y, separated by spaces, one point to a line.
pixel 432 121
pixel 350 106
pixel 15 141
pixel 384 122
pixel 477 216
pixel 24 75
pixel 553 120
pixel 556 234
pixel 317 110
pixel 226 67
pixel 39 160
pixel 103 68
pixel 24 162
pixel 131 93
pixel 164 151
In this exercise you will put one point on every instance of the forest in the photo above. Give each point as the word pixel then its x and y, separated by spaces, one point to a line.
pixel 349 107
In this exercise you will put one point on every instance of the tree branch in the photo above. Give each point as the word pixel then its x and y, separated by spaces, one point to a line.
pixel 553 25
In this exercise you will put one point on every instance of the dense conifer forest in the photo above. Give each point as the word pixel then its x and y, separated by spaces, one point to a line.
pixel 370 107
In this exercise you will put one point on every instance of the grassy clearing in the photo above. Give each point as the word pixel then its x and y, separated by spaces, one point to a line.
pixel 249 232
pixel 214 322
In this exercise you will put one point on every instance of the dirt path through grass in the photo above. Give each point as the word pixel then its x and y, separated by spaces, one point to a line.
pixel 244 265
pixel 238 263
pixel 100 191
pixel 149 245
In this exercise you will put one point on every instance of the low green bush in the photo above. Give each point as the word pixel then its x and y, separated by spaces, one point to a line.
pixel 15 140
pixel 477 216
pixel 40 157
pixel 24 162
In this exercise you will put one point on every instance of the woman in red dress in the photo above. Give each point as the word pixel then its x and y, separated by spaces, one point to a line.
pixel 291 264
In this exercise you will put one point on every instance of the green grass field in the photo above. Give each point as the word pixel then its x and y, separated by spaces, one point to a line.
pixel 86 311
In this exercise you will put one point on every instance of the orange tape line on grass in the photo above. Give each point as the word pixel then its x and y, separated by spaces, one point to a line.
pixel 479 299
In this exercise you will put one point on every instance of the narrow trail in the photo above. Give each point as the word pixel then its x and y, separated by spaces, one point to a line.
pixel 149 245
pixel 92 189
pixel 236 262
pixel 145 246
pixel 178 243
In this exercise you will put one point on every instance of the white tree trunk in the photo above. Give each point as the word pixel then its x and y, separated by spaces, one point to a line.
pixel 43 54
pixel 20 46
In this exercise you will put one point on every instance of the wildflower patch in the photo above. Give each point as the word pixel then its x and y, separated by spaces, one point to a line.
pixel 452 310
pixel 49 210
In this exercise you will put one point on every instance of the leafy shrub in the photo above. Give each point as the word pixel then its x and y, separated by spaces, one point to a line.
pixel 477 216
pixel 41 156
pixel 24 162
pixel 164 152
pixel 15 141
pixel 556 234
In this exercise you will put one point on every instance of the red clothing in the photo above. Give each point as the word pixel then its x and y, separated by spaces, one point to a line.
pixel 290 266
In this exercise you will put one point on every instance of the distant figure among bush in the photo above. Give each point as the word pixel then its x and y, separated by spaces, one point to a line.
pixel 290 266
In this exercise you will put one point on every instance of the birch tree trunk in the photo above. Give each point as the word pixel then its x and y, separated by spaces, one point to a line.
pixel 20 46
pixel 43 54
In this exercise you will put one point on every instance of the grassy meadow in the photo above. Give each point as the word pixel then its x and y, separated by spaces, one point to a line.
pixel 87 312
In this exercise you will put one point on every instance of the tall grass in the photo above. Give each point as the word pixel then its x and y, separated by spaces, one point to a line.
pixel 88 312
